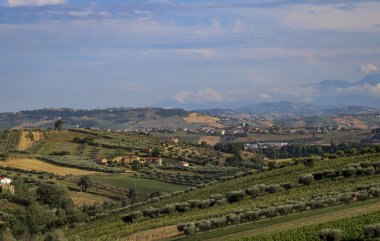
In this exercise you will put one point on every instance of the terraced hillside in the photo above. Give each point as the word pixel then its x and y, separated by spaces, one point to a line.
pixel 113 227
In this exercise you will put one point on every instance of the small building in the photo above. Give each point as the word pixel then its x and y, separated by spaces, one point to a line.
pixel 155 161
pixel 5 185
pixel 181 164
pixel 102 161
pixel 131 158
pixel 173 140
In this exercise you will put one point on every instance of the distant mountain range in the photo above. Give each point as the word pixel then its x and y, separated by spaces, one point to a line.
pixel 288 109
pixel 372 79
pixel 124 118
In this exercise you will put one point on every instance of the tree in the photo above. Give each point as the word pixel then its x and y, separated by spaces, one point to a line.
pixel 136 165
pixel 331 234
pixel 157 151
pixel 85 183
pixel 372 231
pixel 6 235
pixel 56 235
pixel 58 125
pixel 55 196
pixel 306 179
pixel 310 161
pixel 132 194
pixel 38 219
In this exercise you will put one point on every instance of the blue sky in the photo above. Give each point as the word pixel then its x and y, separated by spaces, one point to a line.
pixel 191 54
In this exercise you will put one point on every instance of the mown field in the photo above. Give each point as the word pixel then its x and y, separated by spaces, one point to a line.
pixel 37 165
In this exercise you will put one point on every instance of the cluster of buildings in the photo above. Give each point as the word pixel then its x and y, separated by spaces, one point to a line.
pixel 6 185
pixel 254 146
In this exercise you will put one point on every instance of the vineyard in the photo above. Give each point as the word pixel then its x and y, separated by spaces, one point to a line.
pixel 352 229
pixel 219 187
pixel 113 226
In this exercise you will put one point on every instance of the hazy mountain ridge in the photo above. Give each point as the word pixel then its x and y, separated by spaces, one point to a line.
pixel 123 118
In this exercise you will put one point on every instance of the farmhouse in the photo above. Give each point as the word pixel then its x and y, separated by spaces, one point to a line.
pixel 5 185
pixel 154 160
pixel 173 140
pixel 102 161
pixel 181 164
pixel 130 158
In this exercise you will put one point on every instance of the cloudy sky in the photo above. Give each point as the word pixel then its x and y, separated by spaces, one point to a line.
pixel 181 53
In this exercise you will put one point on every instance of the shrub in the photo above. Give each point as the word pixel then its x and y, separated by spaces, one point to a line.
pixel 273 188
pixel 182 207
pixel 349 172
pixel 236 196
pixel 306 179
pixel 331 234
pixel 372 231
pixel 129 218
pixel 190 229
pixel 168 209
pixel 253 192
pixel 375 191
pixel 362 195
pixel 151 212
pixel 310 161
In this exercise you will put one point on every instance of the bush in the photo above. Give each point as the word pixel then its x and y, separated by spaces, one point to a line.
pixel 168 209
pixel 349 172
pixel 56 235
pixel 362 195
pixel 273 188
pixel 331 234
pixel 151 212
pixel 253 192
pixel 190 229
pixel 236 196
pixel 306 179
pixel 372 231
pixel 129 218
pixel 310 161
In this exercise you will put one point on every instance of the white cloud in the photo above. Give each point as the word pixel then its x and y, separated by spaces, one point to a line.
pixel 200 96
pixel 15 3
pixel 80 14
pixel 363 17
pixel 369 68
pixel 203 53
pixel 366 89
pixel 266 96
pixel 210 95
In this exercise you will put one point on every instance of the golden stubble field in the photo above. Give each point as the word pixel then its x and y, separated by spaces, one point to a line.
pixel 37 165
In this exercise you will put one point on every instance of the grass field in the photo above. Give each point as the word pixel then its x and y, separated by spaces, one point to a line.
pixel 143 186
pixel 81 198
pixel 211 140
pixel 154 234
pixel 198 118
pixel 25 140
pixel 37 165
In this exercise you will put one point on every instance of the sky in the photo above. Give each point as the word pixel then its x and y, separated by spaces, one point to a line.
pixel 181 53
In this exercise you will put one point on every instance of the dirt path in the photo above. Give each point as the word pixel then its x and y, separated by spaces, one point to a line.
pixel 154 234
pixel 307 221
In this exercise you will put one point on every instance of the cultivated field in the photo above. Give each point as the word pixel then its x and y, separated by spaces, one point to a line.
pixel 85 198
pixel 198 118
pixel 211 140
pixel 37 165
pixel 26 140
